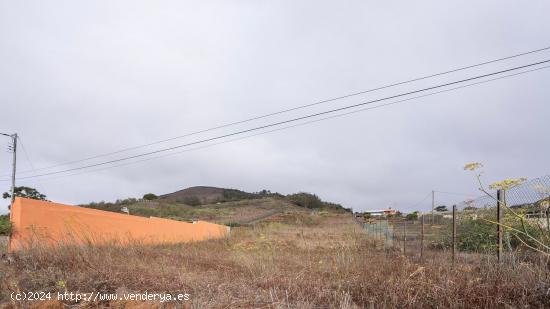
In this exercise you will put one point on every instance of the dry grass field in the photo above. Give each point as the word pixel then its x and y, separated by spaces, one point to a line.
pixel 305 261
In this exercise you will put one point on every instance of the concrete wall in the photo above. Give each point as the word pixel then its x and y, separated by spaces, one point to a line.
pixel 46 223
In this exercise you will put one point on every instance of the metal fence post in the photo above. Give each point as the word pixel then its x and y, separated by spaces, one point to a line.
pixel 376 227
pixel 386 233
pixel 405 237
pixel 375 232
pixel 501 201
pixel 422 237
pixel 433 206
pixel 454 234
pixel 371 230
pixel 379 231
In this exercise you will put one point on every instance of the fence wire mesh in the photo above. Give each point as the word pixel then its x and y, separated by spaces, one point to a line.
pixel 525 225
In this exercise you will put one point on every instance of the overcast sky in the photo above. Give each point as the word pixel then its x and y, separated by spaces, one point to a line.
pixel 83 78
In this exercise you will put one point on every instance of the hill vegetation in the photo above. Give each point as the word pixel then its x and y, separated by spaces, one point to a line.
pixel 201 195
pixel 229 206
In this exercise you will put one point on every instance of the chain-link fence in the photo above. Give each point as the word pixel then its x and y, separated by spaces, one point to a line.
pixel 473 226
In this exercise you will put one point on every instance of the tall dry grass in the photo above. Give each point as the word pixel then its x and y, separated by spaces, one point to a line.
pixel 327 263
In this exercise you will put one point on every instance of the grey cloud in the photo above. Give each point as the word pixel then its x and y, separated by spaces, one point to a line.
pixel 81 78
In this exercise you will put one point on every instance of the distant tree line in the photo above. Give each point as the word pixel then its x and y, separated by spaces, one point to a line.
pixel 312 201
pixel 230 195
pixel 26 192
pixel 21 191
pixel 302 199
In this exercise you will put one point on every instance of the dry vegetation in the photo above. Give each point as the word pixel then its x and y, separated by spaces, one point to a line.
pixel 240 212
pixel 308 261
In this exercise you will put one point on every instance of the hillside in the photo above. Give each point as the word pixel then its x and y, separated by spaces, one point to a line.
pixel 236 212
pixel 227 206
pixel 206 195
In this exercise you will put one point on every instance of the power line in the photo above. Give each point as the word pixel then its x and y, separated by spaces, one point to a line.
pixel 305 123
pixel 427 195
pixel 454 193
pixel 285 121
pixel 292 109
pixel 26 154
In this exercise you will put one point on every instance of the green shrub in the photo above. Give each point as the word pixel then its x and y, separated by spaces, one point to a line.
pixel 312 201
pixel 149 197
pixel 238 195
pixel 192 201
pixel 412 216
pixel 5 225
pixel 476 232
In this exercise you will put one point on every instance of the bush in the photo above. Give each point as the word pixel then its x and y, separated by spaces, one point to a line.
pixel 312 201
pixel 476 232
pixel 128 201
pixel 192 201
pixel 306 200
pixel 412 216
pixel 113 207
pixel 5 225
pixel 238 195
pixel 150 197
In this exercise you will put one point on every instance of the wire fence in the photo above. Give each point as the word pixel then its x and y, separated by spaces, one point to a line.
pixel 507 224
pixel 528 193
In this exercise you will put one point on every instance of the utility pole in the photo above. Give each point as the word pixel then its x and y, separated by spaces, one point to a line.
pixel 14 164
pixel 433 206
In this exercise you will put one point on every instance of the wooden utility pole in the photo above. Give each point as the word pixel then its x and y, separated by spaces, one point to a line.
pixel 454 234
pixel 422 237
pixel 501 201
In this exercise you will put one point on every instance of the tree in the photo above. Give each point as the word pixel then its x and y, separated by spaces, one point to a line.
pixel 412 216
pixel 26 192
pixel 441 208
pixel 150 197
pixel 306 200
pixel 264 192
pixel 397 214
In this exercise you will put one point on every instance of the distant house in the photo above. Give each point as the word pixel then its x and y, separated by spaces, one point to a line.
pixel 445 214
pixel 382 213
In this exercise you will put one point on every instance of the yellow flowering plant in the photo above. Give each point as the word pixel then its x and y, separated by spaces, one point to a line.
pixel 525 233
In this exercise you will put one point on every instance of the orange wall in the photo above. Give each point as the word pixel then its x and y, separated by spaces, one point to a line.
pixel 47 223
